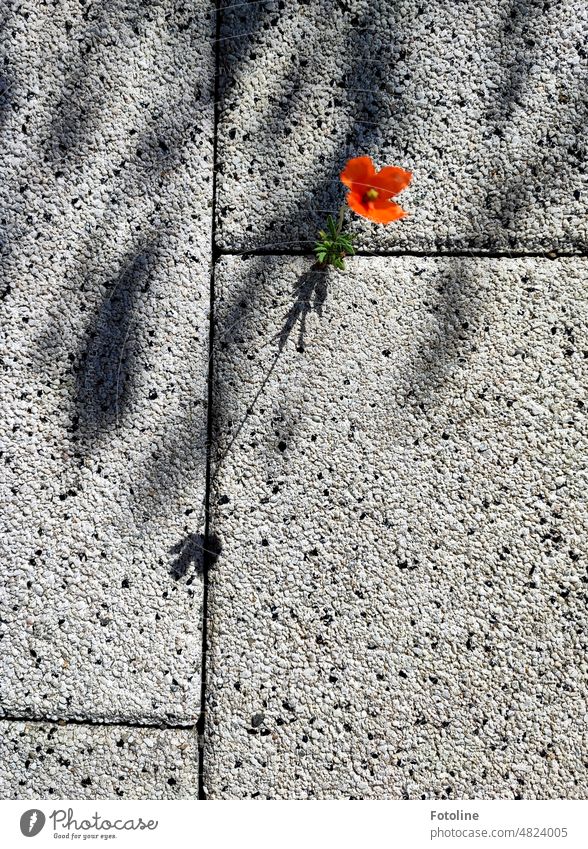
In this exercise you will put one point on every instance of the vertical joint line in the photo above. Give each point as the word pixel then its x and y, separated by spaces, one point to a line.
pixel 206 555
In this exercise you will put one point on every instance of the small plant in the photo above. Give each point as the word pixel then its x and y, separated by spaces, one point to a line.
pixel 334 245
pixel 370 195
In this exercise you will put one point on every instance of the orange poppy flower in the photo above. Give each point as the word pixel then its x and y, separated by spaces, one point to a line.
pixel 371 191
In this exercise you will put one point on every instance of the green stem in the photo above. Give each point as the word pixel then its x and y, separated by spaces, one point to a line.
pixel 341 218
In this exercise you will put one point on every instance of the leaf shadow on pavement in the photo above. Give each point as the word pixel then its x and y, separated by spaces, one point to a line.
pixel 112 262
pixel 507 197
pixel 105 364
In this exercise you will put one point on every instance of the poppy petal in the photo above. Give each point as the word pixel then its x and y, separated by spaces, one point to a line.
pixel 355 202
pixel 381 211
pixel 357 170
pixel 392 179
pixel 385 212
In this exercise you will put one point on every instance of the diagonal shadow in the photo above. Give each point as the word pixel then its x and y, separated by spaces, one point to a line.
pixel 453 323
pixel 80 98
pixel 105 360
pixel 516 53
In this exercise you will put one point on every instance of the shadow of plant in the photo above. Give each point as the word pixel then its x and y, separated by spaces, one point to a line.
pixel 310 294
pixel 191 551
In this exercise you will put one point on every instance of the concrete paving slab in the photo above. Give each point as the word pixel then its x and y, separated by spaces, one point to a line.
pixel 49 761
pixel 105 197
pixel 485 102
pixel 399 606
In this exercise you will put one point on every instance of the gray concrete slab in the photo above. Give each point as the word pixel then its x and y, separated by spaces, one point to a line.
pixel 399 607
pixel 105 197
pixel 485 102
pixel 49 761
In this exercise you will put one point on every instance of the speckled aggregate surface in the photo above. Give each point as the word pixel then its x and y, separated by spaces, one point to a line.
pixel 49 761
pixel 485 102
pixel 399 605
pixel 399 608
pixel 105 229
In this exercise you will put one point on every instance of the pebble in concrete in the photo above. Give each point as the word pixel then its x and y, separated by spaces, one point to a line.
pixel 399 607
pixel 485 102
pixel 105 221
pixel 48 761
